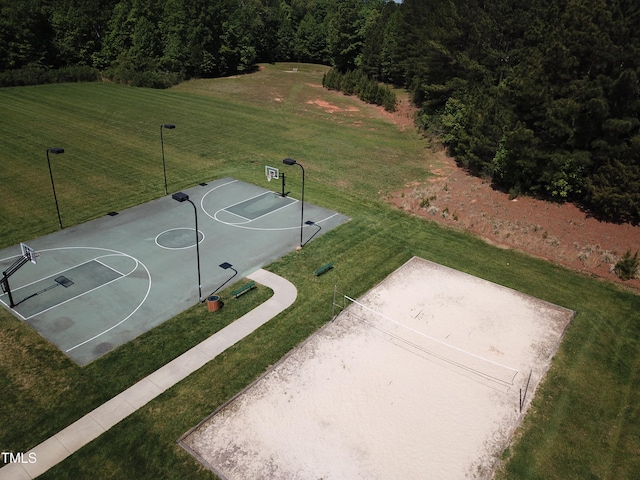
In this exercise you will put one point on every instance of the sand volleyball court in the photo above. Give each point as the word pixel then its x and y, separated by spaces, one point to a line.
pixel 419 378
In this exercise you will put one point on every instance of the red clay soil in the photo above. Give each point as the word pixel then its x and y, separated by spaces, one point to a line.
pixel 561 233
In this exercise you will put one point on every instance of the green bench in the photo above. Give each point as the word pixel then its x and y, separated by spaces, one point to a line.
pixel 244 289
pixel 324 269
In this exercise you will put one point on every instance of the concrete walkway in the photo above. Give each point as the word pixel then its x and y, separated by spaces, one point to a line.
pixel 91 426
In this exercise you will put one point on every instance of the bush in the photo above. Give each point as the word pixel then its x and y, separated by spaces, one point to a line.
pixel 148 79
pixel 331 80
pixel 356 82
pixel 628 266
pixel 37 75
pixel 81 73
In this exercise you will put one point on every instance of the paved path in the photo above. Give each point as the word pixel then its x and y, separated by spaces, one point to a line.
pixel 91 426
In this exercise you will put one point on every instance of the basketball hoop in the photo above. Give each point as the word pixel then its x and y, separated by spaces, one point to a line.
pixel 271 173
pixel 29 253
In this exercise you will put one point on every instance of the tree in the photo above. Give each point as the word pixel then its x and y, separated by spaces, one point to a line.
pixel 311 40
pixel 25 35
pixel 344 36
pixel 78 28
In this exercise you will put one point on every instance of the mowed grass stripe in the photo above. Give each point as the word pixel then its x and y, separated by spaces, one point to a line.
pixel 112 147
pixel 584 422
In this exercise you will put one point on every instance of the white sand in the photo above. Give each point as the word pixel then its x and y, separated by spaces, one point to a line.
pixel 428 387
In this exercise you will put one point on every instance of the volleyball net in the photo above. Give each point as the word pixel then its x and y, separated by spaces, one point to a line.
pixel 422 344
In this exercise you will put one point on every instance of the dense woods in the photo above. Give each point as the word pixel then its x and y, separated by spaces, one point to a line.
pixel 542 97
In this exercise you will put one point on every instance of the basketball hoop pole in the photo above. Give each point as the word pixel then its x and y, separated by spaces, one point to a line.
pixel 7 273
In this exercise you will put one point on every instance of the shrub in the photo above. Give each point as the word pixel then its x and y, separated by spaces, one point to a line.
pixel 356 82
pixel 628 266
pixel 79 73
pixel 38 75
pixel 331 80
pixel 148 78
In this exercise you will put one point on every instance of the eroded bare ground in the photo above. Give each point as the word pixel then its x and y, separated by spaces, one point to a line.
pixel 561 233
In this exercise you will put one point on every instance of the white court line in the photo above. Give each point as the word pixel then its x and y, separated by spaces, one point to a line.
pixel 246 200
pixel 248 220
pixel 267 229
pixel 66 270
pixel 115 252
pixel 93 289
pixel 179 248
pixel 7 295
pixel 53 274
pixel 240 225
pixel 14 311
pixel 237 215
pixel 125 318
pixel 257 218
pixel 214 188
pixel 110 268
pixel 73 298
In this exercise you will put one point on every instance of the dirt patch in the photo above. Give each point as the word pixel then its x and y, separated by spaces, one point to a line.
pixel 331 108
pixel 561 233
pixel 404 115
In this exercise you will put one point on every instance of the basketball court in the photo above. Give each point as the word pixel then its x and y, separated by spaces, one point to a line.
pixel 425 376
pixel 95 286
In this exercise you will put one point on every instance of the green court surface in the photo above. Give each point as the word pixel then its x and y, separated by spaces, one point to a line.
pixel 100 284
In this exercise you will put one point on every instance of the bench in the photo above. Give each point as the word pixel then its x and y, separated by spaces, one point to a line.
pixel 324 269
pixel 244 289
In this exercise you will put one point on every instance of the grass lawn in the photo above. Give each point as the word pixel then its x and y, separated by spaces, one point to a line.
pixel 585 418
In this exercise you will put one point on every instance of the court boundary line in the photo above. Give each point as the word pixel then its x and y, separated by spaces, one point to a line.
pixel 274 229
pixel 36 281
pixel 15 312
pixel 115 252
pixel 144 299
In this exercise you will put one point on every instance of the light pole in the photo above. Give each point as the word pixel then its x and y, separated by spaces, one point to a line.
pixel 168 126
pixel 55 151
pixel 226 266
pixel 183 197
pixel 291 161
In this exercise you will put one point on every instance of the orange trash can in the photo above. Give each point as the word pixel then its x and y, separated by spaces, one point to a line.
pixel 213 303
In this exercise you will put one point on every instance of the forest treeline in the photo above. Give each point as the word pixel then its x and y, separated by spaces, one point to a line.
pixel 542 97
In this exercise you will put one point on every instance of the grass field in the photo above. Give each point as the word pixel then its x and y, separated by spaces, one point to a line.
pixel 584 421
